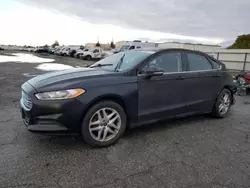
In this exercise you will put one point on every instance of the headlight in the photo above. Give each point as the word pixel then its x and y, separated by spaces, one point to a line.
pixel 63 94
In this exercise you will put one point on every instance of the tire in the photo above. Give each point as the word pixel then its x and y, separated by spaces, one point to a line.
pixel 95 115
pixel 88 58
pixel 218 110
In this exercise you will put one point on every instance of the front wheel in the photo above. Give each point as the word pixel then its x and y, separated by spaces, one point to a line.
pixel 222 104
pixel 103 124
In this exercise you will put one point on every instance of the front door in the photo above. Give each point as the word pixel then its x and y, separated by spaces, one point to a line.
pixel 162 96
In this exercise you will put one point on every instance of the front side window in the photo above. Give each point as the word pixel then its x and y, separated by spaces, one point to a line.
pixel 169 62
pixel 198 62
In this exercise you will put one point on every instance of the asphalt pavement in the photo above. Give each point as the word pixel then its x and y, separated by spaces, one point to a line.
pixel 195 152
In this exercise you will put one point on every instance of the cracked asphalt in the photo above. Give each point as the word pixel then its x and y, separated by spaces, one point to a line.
pixel 195 152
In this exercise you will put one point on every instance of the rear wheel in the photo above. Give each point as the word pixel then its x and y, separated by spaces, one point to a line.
pixel 103 124
pixel 222 104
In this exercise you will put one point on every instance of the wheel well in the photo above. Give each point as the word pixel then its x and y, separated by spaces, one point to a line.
pixel 113 98
pixel 229 88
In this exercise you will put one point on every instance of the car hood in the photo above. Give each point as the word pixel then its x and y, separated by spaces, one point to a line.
pixel 66 77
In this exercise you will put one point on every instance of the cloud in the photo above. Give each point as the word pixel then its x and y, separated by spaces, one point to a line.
pixel 198 18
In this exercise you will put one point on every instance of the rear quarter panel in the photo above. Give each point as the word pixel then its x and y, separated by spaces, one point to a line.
pixel 227 81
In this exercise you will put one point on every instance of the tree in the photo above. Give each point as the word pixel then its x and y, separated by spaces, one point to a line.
pixel 98 44
pixel 112 45
pixel 81 47
pixel 56 43
pixel 242 42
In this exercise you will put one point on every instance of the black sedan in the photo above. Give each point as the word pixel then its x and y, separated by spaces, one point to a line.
pixel 126 90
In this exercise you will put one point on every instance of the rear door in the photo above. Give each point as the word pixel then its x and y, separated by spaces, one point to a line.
pixel 203 80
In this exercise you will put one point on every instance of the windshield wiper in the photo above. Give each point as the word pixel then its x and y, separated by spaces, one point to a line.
pixel 101 65
pixel 119 63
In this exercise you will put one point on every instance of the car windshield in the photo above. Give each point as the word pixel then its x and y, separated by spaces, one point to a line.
pixel 122 61
pixel 124 48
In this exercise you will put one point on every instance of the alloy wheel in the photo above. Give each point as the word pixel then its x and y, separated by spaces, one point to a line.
pixel 224 104
pixel 104 124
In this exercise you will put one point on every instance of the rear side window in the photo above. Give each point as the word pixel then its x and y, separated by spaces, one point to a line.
pixel 215 64
pixel 198 62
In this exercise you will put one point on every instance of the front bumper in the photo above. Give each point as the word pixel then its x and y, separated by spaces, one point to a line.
pixel 47 123
pixel 51 116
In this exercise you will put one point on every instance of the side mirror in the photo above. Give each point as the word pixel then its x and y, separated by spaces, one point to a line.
pixel 154 72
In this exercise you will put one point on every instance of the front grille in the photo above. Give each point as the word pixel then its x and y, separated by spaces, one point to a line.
pixel 26 100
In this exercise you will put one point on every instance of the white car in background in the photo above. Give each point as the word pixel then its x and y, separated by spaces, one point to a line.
pixel 80 52
pixel 136 44
pixel 59 50
pixel 65 51
pixel 95 53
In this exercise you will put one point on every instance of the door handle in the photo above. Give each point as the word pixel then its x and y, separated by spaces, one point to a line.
pixel 180 78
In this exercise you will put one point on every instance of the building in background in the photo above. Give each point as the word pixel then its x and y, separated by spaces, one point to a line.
pixel 120 43
pixel 198 47
pixel 93 45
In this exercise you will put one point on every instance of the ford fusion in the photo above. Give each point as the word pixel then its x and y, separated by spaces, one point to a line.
pixel 126 90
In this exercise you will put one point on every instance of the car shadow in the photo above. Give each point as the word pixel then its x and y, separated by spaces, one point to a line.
pixel 164 125
pixel 75 142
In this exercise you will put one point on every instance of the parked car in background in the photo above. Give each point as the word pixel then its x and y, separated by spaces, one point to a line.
pixel 73 51
pixel 65 51
pixel 80 52
pixel 31 49
pixel 126 90
pixel 58 50
pixel 96 53
pixel 1 48
pixel 51 50
pixel 134 45
pixel 42 50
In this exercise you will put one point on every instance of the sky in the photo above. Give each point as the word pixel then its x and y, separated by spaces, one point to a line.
pixel 40 22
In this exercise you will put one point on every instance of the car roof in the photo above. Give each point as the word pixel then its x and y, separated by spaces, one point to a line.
pixel 157 49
